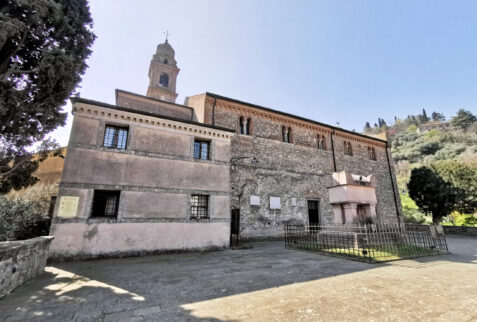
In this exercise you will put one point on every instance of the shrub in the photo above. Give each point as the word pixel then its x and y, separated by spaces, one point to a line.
pixel 459 219
pixel 24 213
pixel 20 220
pixel 411 211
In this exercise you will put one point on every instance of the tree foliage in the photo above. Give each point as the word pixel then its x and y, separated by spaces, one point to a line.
pixel 431 193
pixel 463 120
pixel 24 213
pixel 463 178
pixel 43 49
pixel 438 117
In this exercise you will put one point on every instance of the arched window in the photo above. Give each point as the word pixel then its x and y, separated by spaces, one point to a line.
pixel 348 149
pixel 241 125
pixel 286 134
pixel 244 125
pixel 164 80
pixel 321 142
pixel 371 153
pixel 166 61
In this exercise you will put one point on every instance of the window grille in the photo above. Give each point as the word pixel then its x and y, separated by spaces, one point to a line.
pixel 115 137
pixel 201 150
pixel 199 206
pixel 105 203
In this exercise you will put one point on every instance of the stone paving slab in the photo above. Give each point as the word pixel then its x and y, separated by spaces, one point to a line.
pixel 266 282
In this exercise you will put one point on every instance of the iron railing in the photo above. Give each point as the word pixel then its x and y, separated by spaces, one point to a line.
pixel 368 242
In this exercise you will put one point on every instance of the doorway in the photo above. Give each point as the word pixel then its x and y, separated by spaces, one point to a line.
pixel 235 227
pixel 313 213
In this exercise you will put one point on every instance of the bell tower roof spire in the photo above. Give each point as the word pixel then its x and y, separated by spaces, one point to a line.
pixel 163 72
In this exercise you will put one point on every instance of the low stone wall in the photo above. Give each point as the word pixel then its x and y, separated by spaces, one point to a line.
pixel 460 230
pixel 22 260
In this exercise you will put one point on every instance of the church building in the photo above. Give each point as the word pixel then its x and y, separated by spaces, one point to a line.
pixel 148 175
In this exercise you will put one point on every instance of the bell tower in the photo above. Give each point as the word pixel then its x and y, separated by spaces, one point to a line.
pixel 163 74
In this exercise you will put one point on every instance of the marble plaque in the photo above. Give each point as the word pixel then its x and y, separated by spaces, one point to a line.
pixel 293 202
pixel 275 203
pixel 68 207
pixel 254 200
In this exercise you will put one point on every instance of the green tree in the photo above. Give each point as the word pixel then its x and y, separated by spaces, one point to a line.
pixel 438 117
pixel 463 178
pixel 43 48
pixel 463 120
pixel 367 127
pixel 422 118
pixel 431 193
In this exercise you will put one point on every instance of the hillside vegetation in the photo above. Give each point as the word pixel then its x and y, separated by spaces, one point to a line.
pixel 449 149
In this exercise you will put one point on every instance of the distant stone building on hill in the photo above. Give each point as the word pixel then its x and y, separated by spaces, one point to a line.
pixel 426 127
pixel 149 175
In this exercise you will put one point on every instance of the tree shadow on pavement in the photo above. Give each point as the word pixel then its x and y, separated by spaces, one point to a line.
pixel 160 287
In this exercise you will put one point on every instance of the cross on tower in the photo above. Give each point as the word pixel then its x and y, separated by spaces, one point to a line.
pixel 167 34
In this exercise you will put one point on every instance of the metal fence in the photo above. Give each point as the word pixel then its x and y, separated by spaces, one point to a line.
pixel 369 242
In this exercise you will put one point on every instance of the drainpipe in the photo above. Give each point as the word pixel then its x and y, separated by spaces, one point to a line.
pixel 333 150
pixel 213 111
pixel 392 185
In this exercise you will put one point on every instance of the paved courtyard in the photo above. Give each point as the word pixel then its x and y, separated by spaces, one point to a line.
pixel 264 283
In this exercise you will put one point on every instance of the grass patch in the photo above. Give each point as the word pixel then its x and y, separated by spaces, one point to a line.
pixel 374 254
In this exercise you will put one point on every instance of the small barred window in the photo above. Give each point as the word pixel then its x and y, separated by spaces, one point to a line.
pixel 105 203
pixel 199 206
pixel 201 150
pixel 115 137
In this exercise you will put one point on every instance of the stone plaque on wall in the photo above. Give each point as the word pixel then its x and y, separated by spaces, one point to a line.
pixel 254 200
pixel 275 203
pixel 68 206
pixel 293 202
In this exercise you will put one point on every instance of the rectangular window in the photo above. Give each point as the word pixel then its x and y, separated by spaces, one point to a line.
pixel 105 203
pixel 201 150
pixel 115 137
pixel 199 206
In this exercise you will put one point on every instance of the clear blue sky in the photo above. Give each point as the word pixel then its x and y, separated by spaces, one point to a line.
pixel 346 61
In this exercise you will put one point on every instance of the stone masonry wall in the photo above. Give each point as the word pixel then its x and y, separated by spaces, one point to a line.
pixel 21 261
pixel 296 172
pixel 359 163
